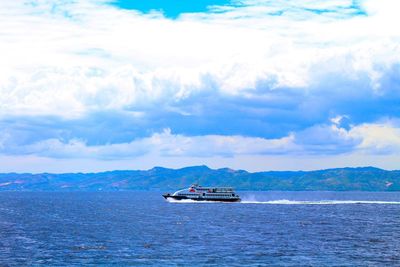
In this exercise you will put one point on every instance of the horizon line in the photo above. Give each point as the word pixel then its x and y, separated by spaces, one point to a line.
pixel 197 166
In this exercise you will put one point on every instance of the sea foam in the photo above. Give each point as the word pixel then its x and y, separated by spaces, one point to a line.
pixel 319 202
pixel 292 202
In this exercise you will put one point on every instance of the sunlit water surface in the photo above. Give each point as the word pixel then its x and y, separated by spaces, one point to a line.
pixel 140 228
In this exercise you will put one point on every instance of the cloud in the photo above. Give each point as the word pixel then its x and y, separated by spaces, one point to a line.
pixel 163 144
pixel 254 78
pixel 383 138
pixel 380 138
pixel 237 51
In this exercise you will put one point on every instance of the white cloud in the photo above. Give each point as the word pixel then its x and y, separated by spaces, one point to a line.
pixel 380 138
pixel 323 146
pixel 49 49
pixel 164 144
pixel 68 59
pixel 383 138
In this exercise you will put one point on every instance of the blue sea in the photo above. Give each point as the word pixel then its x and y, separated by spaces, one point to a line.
pixel 142 229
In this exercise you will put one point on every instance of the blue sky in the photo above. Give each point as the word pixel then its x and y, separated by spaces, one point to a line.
pixel 255 84
pixel 172 9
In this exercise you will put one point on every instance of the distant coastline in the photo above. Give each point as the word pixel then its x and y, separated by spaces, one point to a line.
pixel 158 178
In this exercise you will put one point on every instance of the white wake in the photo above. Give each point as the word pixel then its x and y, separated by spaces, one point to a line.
pixel 292 202
pixel 319 202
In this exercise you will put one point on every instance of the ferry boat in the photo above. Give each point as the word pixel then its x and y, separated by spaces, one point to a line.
pixel 199 193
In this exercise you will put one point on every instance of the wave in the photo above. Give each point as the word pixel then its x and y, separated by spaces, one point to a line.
pixel 192 201
pixel 293 202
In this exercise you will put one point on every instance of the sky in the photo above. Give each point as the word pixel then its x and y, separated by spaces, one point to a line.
pixel 94 85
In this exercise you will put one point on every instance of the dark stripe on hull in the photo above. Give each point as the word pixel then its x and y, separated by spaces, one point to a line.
pixel 202 199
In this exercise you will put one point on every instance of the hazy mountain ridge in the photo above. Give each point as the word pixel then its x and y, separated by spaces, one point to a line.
pixel 158 178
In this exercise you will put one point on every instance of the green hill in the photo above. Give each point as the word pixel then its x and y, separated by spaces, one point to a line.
pixel 341 179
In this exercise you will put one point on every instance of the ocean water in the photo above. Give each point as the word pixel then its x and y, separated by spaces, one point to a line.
pixel 142 229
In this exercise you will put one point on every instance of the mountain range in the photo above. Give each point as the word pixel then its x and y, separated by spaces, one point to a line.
pixel 164 179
